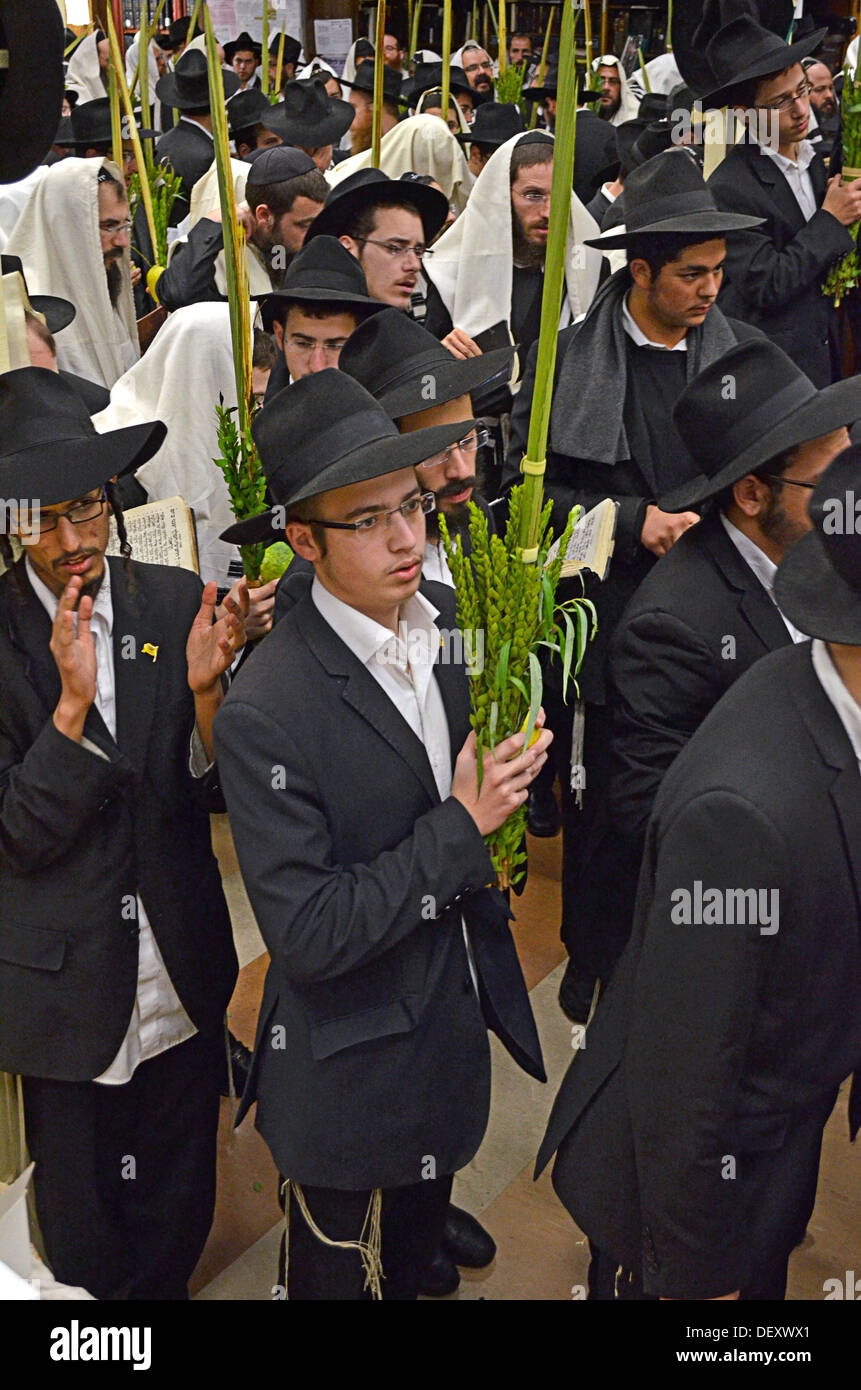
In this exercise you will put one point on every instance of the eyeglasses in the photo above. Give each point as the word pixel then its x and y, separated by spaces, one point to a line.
pixel 534 198
pixel 411 510
pixel 468 445
pixel 486 66
pixel 787 482
pixel 305 347
pixel 111 227
pixel 396 249
pixel 43 522
pixel 789 100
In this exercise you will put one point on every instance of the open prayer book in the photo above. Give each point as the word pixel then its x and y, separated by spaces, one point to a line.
pixel 161 533
pixel 592 541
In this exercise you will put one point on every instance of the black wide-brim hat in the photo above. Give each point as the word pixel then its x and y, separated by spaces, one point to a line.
pixel 364 82
pixel 369 186
pixel 49 448
pixel 494 123
pixel 308 116
pixel 407 369
pixel 743 50
pixel 428 77
pixel 187 87
pixel 243 43
pixel 31 84
pixel 669 194
pixel 746 407
pixel 818 581
pixel 91 125
pixel 57 313
pixel 323 432
pixel 323 272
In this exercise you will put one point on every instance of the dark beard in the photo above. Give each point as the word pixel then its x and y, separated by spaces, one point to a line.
pixel 114 272
pixel 608 112
pixel 526 253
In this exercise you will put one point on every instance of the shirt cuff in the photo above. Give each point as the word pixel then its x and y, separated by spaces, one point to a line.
pixel 198 759
pixel 94 748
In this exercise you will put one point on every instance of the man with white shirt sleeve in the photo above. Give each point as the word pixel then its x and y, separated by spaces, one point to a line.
pixel 116 953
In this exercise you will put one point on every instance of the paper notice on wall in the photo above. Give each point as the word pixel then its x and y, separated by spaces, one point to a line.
pixel 233 17
pixel 333 39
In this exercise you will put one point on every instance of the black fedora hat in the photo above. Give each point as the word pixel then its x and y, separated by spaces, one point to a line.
pixel 308 116
pixel 243 43
pixel 246 109
pixel 407 370
pixel 653 106
pixel 494 123
pixel 818 581
pixel 187 87
pixel 31 84
pixel 743 49
pixel 669 194
pixel 364 82
pixel 326 431
pixel 91 125
pixel 292 49
pixel 177 34
pixel 428 76
pixel 771 407
pixel 323 272
pixel 48 444
pixel 57 313
pixel 368 187
pixel 549 88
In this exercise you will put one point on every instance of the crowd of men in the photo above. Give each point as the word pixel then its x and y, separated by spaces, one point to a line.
pixel 706 780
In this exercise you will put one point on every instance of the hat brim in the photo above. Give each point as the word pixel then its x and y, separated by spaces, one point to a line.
pixel 339 212
pixel 833 407
pixel 84 463
pixel 326 132
pixel 315 296
pixel 89 144
pixel 709 223
pixel 814 596
pixel 166 91
pixel 57 313
pixel 374 460
pixel 31 85
pixel 460 377
pixel 399 100
pixel 764 68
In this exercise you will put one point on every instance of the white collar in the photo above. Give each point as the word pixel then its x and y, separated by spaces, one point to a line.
pixel 636 333
pixel 189 120
pixel 806 156
pixel 847 707
pixel 368 639
pixel 764 568
pixel 103 608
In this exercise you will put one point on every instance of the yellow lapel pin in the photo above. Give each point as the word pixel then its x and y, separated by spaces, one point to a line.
pixel 149 650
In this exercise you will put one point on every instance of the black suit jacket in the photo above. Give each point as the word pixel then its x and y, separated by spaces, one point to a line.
pixel 80 833
pixel 190 277
pixel 698 621
pixel 774 273
pixel 371 1048
pixel 595 153
pixel 189 150
pixel 721 1042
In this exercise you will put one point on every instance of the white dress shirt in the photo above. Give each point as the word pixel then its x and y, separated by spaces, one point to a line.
pixel 797 175
pixel 763 568
pixel 635 332
pixel 158 1019
pixel 403 667
pixel 435 563
pixel 847 707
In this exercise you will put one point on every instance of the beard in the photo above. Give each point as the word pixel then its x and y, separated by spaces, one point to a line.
pixel 527 254
pixel 608 112
pixel 779 527
pixel 114 272
pixel 456 517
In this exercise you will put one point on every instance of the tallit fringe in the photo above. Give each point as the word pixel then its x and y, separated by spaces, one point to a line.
pixel 369 1244
pixel 578 737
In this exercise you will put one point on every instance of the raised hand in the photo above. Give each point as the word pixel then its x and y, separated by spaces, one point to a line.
pixel 212 644
pixel 74 651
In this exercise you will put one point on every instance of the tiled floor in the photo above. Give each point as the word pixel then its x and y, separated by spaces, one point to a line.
pixel 541 1255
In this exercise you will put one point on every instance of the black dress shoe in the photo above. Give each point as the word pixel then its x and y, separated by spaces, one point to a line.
pixel 576 992
pixel 440 1278
pixel 240 1066
pixel 466 1241
pixel 542 813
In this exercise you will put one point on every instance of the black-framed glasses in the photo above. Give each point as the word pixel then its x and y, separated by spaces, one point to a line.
pixel 411 510
pixel 790 482
pixel 786 102
pixel 396 249
pixel 468 445
pixel 43 522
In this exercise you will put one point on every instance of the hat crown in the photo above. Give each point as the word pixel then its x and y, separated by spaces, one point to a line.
pixel 38 408
pixel 835 510
pixel 728 407
pixel 663 186
pixel 389 347
pixel 497 121
pixel 306 99
pixel 325 264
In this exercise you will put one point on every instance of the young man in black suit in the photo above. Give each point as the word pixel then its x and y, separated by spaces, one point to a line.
pixel 689 1128
pixel 116 952
pixel 775 271
pixel 705 613
pixel 351 781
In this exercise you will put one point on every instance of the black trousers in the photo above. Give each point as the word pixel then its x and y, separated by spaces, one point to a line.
pixel 125 1175
pixel 411 1227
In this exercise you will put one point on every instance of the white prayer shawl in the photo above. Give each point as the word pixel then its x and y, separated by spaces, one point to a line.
pixel 204 194
pixel 179 379
pixel 152 77
pixel 463 125
pixel 630 103
pixel 57 239
pixel 419 145
pixel 84 73
pixel 473 261
pixel 14 198
pixel 350 63
pixel 663 74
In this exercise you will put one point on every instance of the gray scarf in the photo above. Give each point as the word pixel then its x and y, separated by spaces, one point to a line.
pixel 586 420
